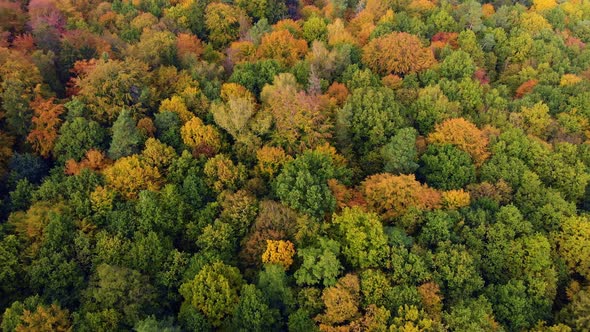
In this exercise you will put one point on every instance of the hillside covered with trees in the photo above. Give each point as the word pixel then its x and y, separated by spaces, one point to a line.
pixel 311 165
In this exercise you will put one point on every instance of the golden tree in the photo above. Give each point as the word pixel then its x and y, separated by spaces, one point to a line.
pixel 279 252
pixel 464 135
pixel 405 54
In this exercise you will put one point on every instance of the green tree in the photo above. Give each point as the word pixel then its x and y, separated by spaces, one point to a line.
pixel 252 312
pixel 363 240
pixel 457 65
pixel 400 155
pixel 117 294
pixel 76 137
pixel 302 184
pixel 368 119
pixel 320 263
pixel 214 291
pixel 446 167
pixel 126 137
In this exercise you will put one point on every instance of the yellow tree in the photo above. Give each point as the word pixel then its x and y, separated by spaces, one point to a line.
pixel 279 252
pixel 176 104
pixel 129 175
pixel 203 139
pixel 392 196
pixel 464 135
pixel 405 54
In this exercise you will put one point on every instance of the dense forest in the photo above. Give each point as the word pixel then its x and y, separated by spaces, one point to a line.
pixel 311 165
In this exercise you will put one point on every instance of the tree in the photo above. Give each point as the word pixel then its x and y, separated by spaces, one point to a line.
pixel 272 10
pixel 392 196
pixel 77 137
pixel 320 263
pixel 214 291
pixel 282 46
pixel 223 174
pixel 300 120
pixel 302 184
pixel 45 319
pixel 463 134
pixel 432 107
pixel 342 302
pixel 126 137
pixel 400 155
pixel 111 86
pixel 457 65
pixel 234 115
pixel 121 289
pixel 456 271
pixel 405 54
pixel 46 123
pixel 155 48
pixel 254 76
pixel 129 176
pixel 279 252
pixel 252 312
pixel 201 138
pixel 573 245
pixel 369 118
pixel 472 315
pixel 223 22
pixel 446 167
pixel 175 104
pixel 20 81
pixel 361 235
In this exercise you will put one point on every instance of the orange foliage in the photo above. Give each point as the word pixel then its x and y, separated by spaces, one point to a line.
pixel 187 44
pixel 51 319
pixel 481 75
pixel 345 197
pixel 441 39
pixel 362 25
pixel 279 252
pixel 391 196
pixel 525 88
pixel 391 81
pixel 405 54
pixel 80 68
pixel 487 9
pixel 6 143
pixel 338 93
pixel 94 160
pixel 299 120
pixel 146 127
pixel 341 302
pixel 288 24
pixel 499 192
pixel 24 43
pixel 241 51
pixel 282 46
pixel 463 134
pixel 46 122
pixel 203 139
pixel 431 298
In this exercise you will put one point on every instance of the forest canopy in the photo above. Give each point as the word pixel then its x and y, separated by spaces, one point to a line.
pixel 296 165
